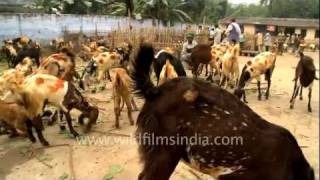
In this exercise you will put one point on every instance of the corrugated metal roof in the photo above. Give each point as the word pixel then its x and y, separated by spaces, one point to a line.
pixel 285 22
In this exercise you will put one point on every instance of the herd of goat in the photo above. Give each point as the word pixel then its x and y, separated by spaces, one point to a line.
pixel 175 105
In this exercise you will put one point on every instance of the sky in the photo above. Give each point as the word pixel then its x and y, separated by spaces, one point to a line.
pixel 244 1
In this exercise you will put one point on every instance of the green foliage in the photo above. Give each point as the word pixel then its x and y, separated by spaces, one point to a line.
pixel 170 11
pixel 292 8
pixel 251 10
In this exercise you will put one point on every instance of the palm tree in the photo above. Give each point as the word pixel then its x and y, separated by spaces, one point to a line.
pixel 165 11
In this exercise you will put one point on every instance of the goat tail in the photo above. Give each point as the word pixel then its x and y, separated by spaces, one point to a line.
pixel 142 83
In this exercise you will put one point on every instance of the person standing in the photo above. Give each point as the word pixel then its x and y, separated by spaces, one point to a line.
pixel 259 38
pixel 233 31
pixel 187 49
pixel 211 35
pixel 217 34
pixel 280 42
pixel 296 44
pixel 267 41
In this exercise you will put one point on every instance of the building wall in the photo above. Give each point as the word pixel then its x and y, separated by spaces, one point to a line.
pixel 311 33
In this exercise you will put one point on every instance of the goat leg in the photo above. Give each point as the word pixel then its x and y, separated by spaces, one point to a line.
pixel 295 94
pixel 259 90
pixel 309 100
pixel 268 88
pixel 134 105
pixel 129 108
pixel 29 131
pixel 117 110
pixel 268 78
pixel 301 98
pixel 69 121
pixel 38 125
pixel 41 138
pixel 294 90
pixel 244 97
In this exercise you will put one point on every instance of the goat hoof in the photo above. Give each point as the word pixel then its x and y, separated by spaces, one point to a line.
pixel 75 134
pixel 309 110
pixel 291 106
pixel 13 135
pixel 45 143
pixel 62 128
pixel 259 98
pixel 301 98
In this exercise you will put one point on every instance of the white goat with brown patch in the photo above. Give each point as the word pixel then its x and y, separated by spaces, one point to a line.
pixel 105 61
pixel 38 89
pixel 263 63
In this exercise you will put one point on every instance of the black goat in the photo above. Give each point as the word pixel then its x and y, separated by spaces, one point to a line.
pixel 32 50
pixel 304 76
pixel 185 107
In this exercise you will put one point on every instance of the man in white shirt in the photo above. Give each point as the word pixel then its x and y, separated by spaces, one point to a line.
pixel 187 48
pixel 217 35
pixel 233 31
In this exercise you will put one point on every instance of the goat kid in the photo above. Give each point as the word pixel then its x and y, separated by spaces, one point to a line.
pixel 305 74
pixel 122 88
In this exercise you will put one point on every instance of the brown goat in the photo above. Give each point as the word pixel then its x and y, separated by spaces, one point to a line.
pixel 205 55
pixel 304 76
pixel 122 87
pixel 189 108
pixel 15 117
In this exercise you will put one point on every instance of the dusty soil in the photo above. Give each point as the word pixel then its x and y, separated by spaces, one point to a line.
pixel 117 156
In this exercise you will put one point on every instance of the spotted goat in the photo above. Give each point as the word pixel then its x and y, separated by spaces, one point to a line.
pixel 263 63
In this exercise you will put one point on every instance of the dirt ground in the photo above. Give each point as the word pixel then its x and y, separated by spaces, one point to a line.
pixel 117 156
